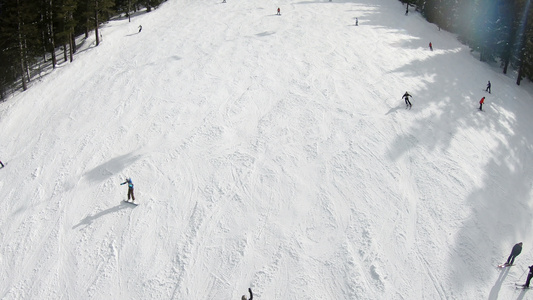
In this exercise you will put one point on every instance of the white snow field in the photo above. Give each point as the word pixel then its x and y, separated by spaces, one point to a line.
pixel 271 152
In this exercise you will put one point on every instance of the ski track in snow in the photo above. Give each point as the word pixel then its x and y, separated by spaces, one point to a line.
pixel 271 152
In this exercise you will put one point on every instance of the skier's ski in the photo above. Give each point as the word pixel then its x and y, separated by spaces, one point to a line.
pixel 504 265
pixel 521 286
pixel 132 203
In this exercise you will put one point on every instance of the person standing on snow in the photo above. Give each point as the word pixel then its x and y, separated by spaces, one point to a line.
pixel 251 295
pixel 430 46
pixel 407 102
pixel 517 249
pixel 279 12
pixel 481 103
pixel 488 87
pixel 356 22
pixel 130 189
pixel 529 276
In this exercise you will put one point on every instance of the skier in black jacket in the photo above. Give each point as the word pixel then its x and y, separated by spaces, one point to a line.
pixel 251 295
pixel 517 249
pixel 529 276
pixel 407 102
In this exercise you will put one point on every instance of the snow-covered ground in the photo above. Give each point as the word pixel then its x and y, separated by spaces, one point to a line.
pixel 272 152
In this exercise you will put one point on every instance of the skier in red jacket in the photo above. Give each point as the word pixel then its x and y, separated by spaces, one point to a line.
pixel 481 103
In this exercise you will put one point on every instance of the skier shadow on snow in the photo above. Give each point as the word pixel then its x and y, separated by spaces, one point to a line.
pixel 498 285
pixel 111 167
pixel 394 109
pixel 265 33
pixel 522 295
pixel 90 219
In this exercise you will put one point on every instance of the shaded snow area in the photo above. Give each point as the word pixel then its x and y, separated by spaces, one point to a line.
pixel 271 152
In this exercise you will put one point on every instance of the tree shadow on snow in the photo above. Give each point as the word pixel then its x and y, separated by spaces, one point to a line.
pixel 445 104
pixel 111 167
pixel 501 206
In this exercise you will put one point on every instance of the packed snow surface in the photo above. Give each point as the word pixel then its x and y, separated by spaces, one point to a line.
pixel 271 152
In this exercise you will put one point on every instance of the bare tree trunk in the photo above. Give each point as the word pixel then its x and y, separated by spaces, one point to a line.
pixel 73 38
pixel 505 65
pixel 26 60
pixel 52 37
pixel 96 22
pixel 71 51
pixel 21 48
pixel 520 73
pixel 65 52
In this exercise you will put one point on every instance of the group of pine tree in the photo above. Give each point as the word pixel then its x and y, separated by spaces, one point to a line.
pixel 500 31
pixel 34 32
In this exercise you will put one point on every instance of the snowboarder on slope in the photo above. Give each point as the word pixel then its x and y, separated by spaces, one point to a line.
pixel 488 87
pixel 130 189
pixel 517 249
pixel 140 28
pixel 251 295
pixel 481 103
pixel 430 46
pixel 407 102
pixel 279 12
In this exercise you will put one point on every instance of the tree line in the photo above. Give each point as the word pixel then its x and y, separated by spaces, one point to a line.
pixel 33 33
pixel 499 30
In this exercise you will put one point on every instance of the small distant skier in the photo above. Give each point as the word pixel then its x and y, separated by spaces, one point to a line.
pixel 529 276
pixel 481 103
pixel 407 102
pixel 356 22
pixel 517 249
pixel 140 28
pixel 488 87
pixel 130 189
pixel 430 46
pixel 279 12
pixel 1 164
pixel 251 295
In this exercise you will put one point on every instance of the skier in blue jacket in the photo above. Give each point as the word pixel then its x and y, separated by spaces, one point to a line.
pixel 130 189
